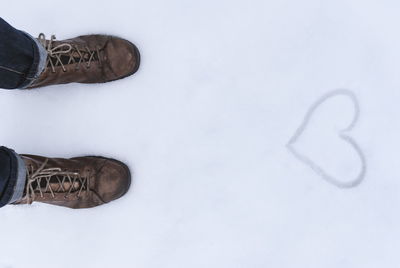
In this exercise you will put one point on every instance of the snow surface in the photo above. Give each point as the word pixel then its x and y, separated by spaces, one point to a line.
pixel 204 125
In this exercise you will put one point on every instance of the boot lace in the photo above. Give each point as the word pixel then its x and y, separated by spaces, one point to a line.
pixel 66 53
pixel 54 180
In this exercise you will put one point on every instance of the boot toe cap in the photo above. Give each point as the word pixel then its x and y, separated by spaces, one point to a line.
pixel 123 58
pixel 114 181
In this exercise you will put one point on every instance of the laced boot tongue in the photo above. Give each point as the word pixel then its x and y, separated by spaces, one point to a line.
pixel 51 181
pixel 68 53
pixel 55 185
pixel 74 57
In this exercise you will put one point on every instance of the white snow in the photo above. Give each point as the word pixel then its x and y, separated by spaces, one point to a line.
pixel 204 124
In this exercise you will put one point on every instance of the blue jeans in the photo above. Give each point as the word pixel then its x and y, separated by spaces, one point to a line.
pixel 12 176
pixel 22 58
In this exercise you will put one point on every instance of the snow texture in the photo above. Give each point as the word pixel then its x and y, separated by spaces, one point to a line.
pixel 204 125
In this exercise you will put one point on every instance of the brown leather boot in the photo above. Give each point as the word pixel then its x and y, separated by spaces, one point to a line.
pixel 80 182
pixel 87 59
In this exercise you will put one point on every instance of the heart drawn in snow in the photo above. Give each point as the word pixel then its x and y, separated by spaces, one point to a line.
pixel 342 134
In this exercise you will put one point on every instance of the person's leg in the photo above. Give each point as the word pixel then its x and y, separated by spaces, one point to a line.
pixel 26 62
pixel 79 182
pixel 12 176
pixel 22 58
pixel 87 59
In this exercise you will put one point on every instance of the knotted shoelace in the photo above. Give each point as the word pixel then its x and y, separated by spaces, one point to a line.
pixel 53 180
pixel 75 54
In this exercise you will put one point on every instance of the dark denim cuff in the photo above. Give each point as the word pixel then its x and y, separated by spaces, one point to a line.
pixel 8 174
pixel 30 76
